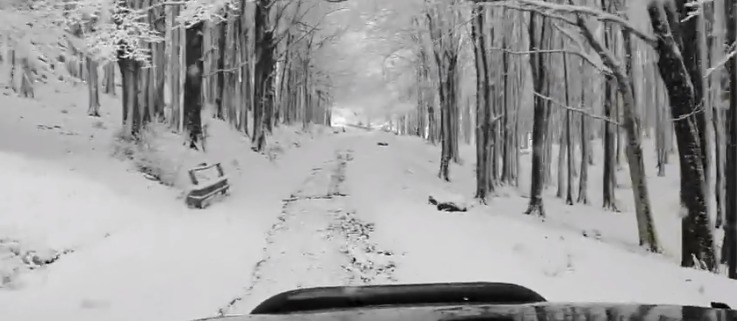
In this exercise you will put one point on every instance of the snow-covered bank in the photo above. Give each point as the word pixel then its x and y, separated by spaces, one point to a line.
pixel 498 243
pixel 133 250
pixel 132 261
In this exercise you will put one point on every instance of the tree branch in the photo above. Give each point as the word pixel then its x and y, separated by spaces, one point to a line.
pixel 554 10
pixel 577 110
pixel 586 58
pixel 605 55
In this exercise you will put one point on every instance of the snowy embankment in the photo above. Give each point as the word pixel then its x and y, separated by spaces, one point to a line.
pixel 560 258
pixel 119 246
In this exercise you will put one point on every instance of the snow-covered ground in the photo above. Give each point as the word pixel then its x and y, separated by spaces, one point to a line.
pixel 561 258
pixel 84 236
pixel 133 250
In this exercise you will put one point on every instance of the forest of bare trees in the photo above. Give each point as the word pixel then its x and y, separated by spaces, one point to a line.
pixel 234 58
pixel 600 72
pixel 575 76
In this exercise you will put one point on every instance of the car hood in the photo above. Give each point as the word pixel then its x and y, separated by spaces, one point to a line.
pixel 495 312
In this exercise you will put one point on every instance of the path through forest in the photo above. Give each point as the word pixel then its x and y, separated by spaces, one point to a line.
pixel 318 240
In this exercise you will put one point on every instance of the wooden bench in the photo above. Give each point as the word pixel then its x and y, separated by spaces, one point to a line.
pixel 204 190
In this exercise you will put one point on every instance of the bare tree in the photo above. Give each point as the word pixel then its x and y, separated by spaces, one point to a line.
pixel 483 113
pixel 441 20
pixel 540 120
pixel 193 86
pixel 729 245
pixel 697 238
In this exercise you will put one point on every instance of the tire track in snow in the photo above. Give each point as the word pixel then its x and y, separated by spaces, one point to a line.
pixel 316 241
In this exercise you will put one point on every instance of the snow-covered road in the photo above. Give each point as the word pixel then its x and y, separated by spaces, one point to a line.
pixel 339 209
pixel 317 241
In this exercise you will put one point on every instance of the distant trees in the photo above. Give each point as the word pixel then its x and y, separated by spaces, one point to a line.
pixel 249 53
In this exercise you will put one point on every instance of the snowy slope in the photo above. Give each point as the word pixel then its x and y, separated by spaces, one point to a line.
pixel 131 249
pixel 499 243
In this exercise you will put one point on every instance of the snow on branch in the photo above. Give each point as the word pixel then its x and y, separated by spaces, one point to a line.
pixel 577 110
pixel 108 30
pixel 605 55
pixel 586 58
pixel 196 11
pixel 698 3
pixel 732 51
pixel 697 8
pixel 125 38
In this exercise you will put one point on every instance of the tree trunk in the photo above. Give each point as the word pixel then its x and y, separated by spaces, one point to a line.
pixel 159 87
pixel 446 134
pixel 583 179
pixel 129 70
pixel 109 79
pixel 193 87
pixel 540 121
pixel 264 69
pixel 482 110
pixel 729 246
pixel 687 31
pixel 245 71
pixel 660 136
pixel 697 238
pixel 506 141
pixel 445 53
pixel 609 200
pixel 174 55
pixel 715 41
pixel 608 181
pixel 561 162
pixel 220 89
pixel 569 141
pixel 432 124
pixel 585 143
pixel 93 86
